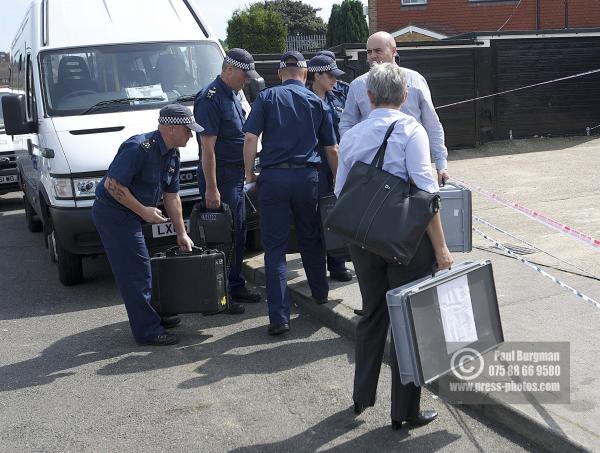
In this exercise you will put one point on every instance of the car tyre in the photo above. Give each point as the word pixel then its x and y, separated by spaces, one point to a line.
pixel 70 266
pixel 34 224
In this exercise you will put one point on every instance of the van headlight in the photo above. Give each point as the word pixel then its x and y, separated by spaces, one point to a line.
pixel 67 188
pixel 62 187
pixel 86 187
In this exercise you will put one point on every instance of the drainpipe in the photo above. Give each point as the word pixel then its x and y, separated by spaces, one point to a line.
pixel 566 13
pixel 537 14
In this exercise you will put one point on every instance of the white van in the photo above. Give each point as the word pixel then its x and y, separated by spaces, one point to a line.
pixel 94 73
pixel 8 164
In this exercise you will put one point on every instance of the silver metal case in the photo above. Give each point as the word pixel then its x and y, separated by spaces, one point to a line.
pixel 456 212
pixel 416 320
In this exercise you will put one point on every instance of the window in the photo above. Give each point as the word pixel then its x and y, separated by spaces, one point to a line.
pixel 30 92
pixel 413 2
pixel 77 80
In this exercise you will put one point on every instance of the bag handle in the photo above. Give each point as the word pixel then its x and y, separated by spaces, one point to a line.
pixel 223 207
pixel 380 155
pixel 176 251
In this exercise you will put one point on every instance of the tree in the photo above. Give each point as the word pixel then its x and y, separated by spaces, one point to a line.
pixel 257 29
pixel 333 26
pixel 299 17
pixel 347 23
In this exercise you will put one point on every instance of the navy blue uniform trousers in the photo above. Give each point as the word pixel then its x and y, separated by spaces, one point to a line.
pixel 279 191
pixel 375 278
pixel 230 183
pixel 334 264
pixel 121 234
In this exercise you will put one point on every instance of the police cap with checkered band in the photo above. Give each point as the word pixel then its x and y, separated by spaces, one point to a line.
pixel 292 55
pixel 178 114
pixel 242 59
pixel 324 63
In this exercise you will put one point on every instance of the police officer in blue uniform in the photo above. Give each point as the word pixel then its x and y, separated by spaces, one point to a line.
pixel 322 78
pixel 145 168
pixel 293 122
pixel 340 89
pixel 221 172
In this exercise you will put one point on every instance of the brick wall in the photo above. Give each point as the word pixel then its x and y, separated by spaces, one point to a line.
pixel 452 17
pixel 372 9
pixel 413 36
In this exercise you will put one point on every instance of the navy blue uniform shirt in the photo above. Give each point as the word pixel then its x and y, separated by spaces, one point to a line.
pixel 335 102
pixel 294 122
pixel 219 111
pixel 340 89
pixel 146 167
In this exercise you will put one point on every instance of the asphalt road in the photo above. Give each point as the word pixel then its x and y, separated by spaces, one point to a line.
pixel 73 379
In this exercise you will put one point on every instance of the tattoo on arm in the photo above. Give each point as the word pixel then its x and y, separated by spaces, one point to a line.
pixel 115 189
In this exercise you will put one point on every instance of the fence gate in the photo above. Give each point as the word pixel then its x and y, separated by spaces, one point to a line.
pixel 306 43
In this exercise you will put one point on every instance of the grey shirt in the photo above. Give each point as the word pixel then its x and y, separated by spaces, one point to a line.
pixel 407 153
pixel 418 104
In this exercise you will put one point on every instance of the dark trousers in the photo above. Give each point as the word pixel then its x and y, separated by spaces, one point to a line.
pixel 121 234
pixel 375 278
pixel 334 264
pixel 230 182
pixel 279 191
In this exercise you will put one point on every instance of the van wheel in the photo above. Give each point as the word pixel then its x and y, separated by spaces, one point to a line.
pixel 70 267
pixel 34 224
pixel 254 241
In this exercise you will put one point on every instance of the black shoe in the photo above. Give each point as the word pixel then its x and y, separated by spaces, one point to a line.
pixel 359 312
pixel 359 407
pixel 235 309
pixel 341 276
pixel 247 295
pixel 278 329
pixel 423 418
pixel 321 300
pixel 170 322
pixel 164 339
pixel 396 426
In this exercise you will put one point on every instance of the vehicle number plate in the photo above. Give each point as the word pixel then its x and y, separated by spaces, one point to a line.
pixel 160 230
pixel 8 178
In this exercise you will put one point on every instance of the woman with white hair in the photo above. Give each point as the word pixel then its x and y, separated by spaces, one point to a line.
pixel 407 156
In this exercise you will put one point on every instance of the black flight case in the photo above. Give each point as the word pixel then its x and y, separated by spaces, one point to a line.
pixel 189 282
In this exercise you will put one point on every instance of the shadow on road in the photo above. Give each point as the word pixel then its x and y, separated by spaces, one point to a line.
pixel 340 423
pixel 114 341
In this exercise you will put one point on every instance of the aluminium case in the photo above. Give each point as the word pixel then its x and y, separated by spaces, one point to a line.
pixel 415 317
pixel 456 212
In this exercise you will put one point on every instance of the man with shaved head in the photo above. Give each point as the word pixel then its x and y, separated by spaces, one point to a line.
pixel 381 48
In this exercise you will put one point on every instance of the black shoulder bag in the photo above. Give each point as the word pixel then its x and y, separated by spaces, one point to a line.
pixel 381 212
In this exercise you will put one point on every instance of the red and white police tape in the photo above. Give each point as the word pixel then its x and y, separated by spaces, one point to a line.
pixel 574 291
pixel 494 227
pixel 560 79
pixel 534 215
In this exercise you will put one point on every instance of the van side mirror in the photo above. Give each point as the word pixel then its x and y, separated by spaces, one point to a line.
pixel 254 87
pixel 15 119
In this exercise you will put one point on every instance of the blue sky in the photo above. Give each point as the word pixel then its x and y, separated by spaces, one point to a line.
pixel 217 12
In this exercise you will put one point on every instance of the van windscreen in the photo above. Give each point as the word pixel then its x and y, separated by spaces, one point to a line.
pixel 75 80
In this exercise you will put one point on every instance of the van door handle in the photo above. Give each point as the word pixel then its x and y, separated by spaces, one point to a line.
pixel 44 152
